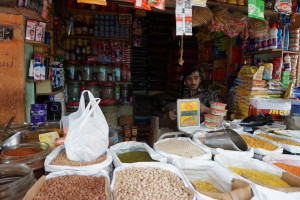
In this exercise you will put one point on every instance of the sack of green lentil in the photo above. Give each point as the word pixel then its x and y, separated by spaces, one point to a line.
pixel 70 184
pixel 57 160
pixel 290 144
pixel 199 137
pixel 210 181
pixel 262 146
pixel 150 181
pixel 130 152
pixel 182 148
pixel 262 177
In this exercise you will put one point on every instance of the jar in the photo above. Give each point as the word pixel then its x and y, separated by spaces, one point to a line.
pixel 87 71
pixel 101 75
pixel 78 72
pixel 15 180
pixel 107 90
pixel 34 161
pixel 126 114
pixel 109 108
pixel 70 69
pixel 19 127
pixel 93 87
pixel 72 106
pixel 51 126
pixel 73 91
pixel 118 72
pixel 125 92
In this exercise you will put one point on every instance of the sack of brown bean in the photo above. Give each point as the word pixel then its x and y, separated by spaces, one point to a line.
pixel 182 148
pixel 57 160
pixel 70 184
pixel 150 181
pixel 132 146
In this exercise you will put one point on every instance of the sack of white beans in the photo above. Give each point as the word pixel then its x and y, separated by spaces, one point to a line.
pixel 182 148
pixel 248 154
pixel 150 181
pixel 58 161
pixel 124 147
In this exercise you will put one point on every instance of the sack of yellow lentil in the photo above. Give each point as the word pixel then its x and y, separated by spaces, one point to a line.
pixel 265 177
pixel 288 143
pixel 199 137
pixel 58 161
pixel 134 152
pixel 210 180
pixel 262 146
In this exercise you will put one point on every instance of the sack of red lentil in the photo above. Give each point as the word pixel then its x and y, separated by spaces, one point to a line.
pixel 87 138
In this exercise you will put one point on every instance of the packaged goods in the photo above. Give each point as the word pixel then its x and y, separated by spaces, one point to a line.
pixel 135 156
pixel 256 9
pixel 30 29
pixel 258 143
pixel 268 70
pixel 211 124
pixel 205 186
pixel 157 4
pixel 279 139
pixel 201 15
pixel 290 168
pixel 218 112
pixel 218 105
pixel 188 115
pixel 263 177
pixel 212 118
pixel 148 183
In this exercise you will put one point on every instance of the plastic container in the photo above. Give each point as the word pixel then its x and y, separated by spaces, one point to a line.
pixel 125 92
pixel 15 180
pixel 102 71
pixel 126 114
pixel 94 88
pixel 110 110
pixel 108 90
pixel 73 91
pixel 87 71
pixel 218 105
pixel 277 68
pixel 210 124
pixel 273 37
pixel 72 106
pixel 218 112
pixel 287 62
pixel 212 118
pixel 34 161
pixel 279 37
pixel 71 69
pixel 286 38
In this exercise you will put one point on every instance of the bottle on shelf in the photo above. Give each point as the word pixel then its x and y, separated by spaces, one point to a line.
pixel 91 28
pixel 273 32
pixel 78 30
pixel 84 26
pixel 266 41
pixel 260 44
pixel 279 37
pixel 286 38
pixel 287 62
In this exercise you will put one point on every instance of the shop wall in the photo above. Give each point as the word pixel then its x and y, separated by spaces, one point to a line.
pixel 12 82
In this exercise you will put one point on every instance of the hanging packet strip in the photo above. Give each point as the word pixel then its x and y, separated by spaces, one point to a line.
pixel 188 25
pixel 142 4
pixel 183 14
pixel 179 17
pixel 159 4
pixel 256 9
pixel 98 2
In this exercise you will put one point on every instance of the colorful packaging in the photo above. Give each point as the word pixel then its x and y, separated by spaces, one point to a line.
pixel 268 70
pixel 159 4
pixel 39 34
pixel 30 29
pixel 142 4
pixel 277 68
pixel 256 9
pixel 188 111
pixel 98 2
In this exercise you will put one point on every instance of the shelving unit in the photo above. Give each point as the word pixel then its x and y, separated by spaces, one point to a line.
pixel 37 43
pixel 269 51
pixel 52 93
pixel 117 82
pixel 26 12
pixel 32 80
pixel 97 38
pixel 88 12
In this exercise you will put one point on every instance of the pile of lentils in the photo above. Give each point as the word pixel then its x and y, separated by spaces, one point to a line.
pixel 135 156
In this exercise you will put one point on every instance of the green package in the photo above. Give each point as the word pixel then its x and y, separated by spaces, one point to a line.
pixel 256 9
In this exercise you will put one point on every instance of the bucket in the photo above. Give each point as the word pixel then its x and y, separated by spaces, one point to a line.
pixel 226 139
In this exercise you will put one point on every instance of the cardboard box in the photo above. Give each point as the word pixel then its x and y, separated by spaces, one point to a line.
pixel 39 33
pixel 30 29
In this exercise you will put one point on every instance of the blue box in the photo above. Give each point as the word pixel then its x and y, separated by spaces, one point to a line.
pixel 35 107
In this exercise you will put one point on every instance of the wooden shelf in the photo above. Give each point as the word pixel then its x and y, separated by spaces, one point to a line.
pixel 88 12
pixel 52 93
pixel 118 82
pixel 269 51
pixel 37 43
pixel 97 38
pixel 32 80
pixel 26 12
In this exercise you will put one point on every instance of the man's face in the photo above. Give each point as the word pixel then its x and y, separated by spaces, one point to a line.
pixel 193 81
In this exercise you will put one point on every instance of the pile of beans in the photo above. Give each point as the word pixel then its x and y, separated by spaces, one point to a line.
pixel 148 183
pixel 180 148
pixel 280 140
pixel 205 186
pixel 262 177
pixel 290 168
pixel 62 159
pixel 73 187
pixel 135 156
pixel 258 143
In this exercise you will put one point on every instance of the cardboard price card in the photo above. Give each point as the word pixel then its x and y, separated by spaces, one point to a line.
pixel 188 119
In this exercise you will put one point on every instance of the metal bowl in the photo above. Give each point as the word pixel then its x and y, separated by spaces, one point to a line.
pixel 292 122
pixel 226 139
pixel 13 140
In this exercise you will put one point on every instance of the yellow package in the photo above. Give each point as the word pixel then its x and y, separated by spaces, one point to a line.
pixel 98 2
pixel 49 138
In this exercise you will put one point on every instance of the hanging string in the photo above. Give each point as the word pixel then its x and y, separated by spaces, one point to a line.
pixel 181 61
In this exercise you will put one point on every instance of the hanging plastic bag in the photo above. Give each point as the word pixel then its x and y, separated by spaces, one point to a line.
pixel 142 4
pixel 87 138
pixel 256 9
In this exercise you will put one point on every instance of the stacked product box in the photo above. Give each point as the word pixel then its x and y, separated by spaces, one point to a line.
pixel 285 79
pixel 294 64
pixel 38 115
pixel 249 85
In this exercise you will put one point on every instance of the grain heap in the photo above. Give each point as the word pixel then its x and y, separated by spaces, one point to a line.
pixel 180 148
pixel 62 159
pixel 73 187
pixel 279 139
pixel 290 168
pixel 148 183
pixel 205 186
pixel 262 177
pixel 135 156
pixel 258 143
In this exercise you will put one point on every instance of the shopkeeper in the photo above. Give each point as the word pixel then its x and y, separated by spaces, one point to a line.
pixel 192 79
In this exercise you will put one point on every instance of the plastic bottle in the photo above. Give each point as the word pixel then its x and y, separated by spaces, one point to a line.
pixel 286 38
pixel 273 37
pixel 279 37
pixel 266 41
pixel 287 62
pixel 260 45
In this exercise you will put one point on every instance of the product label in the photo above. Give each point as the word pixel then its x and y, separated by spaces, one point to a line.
pixel 273 42
pixel 189 113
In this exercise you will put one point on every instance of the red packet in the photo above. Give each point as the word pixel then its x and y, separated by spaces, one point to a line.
pixel 142 4
pixel 159 4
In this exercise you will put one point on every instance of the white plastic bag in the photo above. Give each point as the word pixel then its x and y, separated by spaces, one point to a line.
pixel 133 146
pixel 87 138
pixel 91 168
pixel 254 164
pixel 283 158
pixel 249 153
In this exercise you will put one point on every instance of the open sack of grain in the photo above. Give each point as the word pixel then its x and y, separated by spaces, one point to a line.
pixel 288 143
pixel 57 160
pixel 150 181
pixel 199 139
pixel 70 184
pixel 130 152
pixel 182 148
pixel 210 181
pixel 267 182
pixel 260 145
